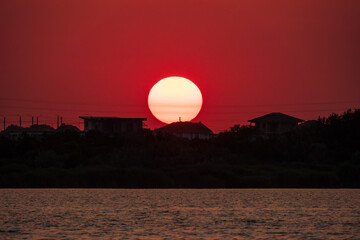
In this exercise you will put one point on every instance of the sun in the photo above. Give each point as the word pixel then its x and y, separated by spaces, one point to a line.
pixel 175 99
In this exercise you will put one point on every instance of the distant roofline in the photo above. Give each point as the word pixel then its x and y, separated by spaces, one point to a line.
pixel 32 128
pixel 172 127
pixel 268 118
pixel 109 118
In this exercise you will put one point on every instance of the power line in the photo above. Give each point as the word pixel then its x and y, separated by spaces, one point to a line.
pixel 212 105
pixel 65 103
pixel 61 109
pixel 138 112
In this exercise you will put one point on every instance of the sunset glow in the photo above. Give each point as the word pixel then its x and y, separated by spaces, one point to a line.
pixel 175 98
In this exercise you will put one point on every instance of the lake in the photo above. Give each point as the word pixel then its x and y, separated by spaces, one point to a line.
pixel 179 213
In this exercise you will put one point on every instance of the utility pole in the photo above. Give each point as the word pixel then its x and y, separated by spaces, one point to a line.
pixel 4 123
pixel 20 121
pixel 32 121
pixel 57 123
pixel 37 120
pixel 61 120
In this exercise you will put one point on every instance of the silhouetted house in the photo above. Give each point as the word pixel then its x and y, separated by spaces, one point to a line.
pixel 187 130
pixel 13 131
pixel 113 125
pixel 275 123
pixel 34 130
pixel 67 128
pixel 39 129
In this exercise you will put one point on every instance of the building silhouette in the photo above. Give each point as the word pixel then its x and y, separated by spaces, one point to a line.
pixel 67 128
pixel 14 131
pixel 187 130
pixel 113 125
pixel 275 123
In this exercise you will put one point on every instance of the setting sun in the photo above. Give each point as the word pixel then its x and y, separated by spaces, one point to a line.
pixel 175 98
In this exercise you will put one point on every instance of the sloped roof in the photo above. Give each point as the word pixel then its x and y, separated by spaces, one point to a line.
pixel 15 128
pixel 32 128
pixel 40 128
pixel 109 118
pixel 185 127
pixel 65 128
pixel 276 117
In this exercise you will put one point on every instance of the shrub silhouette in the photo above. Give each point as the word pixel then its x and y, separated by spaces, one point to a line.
pixel 322 153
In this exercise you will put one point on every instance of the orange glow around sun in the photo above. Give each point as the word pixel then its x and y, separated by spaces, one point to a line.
pixel 175 97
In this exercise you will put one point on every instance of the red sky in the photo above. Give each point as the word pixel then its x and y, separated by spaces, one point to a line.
pixel 248 58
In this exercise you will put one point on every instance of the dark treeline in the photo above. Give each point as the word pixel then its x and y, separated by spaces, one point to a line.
pixel 321 153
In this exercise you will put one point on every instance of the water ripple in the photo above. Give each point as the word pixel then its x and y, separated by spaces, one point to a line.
pixel 179 214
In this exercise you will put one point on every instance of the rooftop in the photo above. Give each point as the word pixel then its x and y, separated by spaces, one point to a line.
pixel 185 127
pixel 32 128
pixel 276 117
pixel 67 128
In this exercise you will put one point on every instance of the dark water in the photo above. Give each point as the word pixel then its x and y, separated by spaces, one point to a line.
pixel 174 214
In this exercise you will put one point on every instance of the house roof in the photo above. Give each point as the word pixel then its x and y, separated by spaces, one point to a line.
pixel 276 117
pixel 110 118
pixel 40 128
pixel 66 128
pixel 185 127
pixel 15 128
pixel 32 128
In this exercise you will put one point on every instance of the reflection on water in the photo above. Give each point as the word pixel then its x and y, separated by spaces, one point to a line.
pixel 157 214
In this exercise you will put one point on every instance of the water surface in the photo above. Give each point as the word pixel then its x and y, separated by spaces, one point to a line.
pixel 174 214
